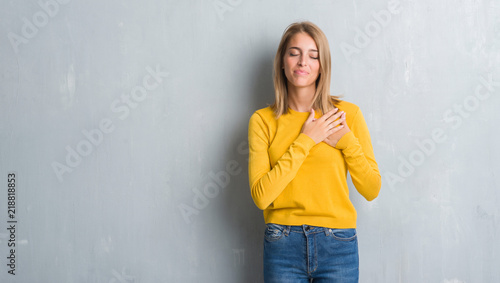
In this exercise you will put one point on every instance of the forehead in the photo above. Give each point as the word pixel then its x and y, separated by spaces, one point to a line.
pixel 302 41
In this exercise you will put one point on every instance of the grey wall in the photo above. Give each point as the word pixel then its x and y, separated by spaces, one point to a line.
pixel 125 123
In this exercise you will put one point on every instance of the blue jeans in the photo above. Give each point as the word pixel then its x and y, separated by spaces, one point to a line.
pixel 310 254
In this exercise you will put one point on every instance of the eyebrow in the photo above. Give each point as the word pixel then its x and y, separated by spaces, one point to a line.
pixel 310 50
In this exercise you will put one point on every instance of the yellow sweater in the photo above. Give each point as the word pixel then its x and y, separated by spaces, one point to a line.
pixel 296 181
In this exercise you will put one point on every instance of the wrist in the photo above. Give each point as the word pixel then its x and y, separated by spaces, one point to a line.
pixel 345 140
pixel 310 136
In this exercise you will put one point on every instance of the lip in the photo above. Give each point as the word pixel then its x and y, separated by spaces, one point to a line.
pixel 300 72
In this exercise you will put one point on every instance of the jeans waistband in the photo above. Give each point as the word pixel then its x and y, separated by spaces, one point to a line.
pixel 308 229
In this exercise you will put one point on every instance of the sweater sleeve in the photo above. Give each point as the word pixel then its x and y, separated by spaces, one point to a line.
pixel 357 149
pixel 267 183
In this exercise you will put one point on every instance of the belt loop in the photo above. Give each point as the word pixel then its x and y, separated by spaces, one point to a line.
pixel 287 230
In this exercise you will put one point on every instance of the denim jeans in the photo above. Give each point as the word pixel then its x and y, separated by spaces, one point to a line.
pixel 310 254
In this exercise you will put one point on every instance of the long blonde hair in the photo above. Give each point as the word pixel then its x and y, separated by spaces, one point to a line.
pixel 322 100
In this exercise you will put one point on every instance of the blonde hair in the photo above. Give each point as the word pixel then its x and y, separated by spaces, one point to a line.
pixel 322 100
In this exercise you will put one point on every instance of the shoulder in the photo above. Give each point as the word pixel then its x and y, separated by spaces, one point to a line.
pixel 348 107
pixel 265 114
pixel 353 113
pixel 261 122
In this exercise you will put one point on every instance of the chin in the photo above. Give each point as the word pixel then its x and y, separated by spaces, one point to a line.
pixel 301 85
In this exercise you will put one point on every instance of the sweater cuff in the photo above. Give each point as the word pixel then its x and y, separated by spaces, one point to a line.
pixel 345 140
pixel 306 140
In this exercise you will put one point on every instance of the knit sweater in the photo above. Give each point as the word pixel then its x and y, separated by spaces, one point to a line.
pixel 296 181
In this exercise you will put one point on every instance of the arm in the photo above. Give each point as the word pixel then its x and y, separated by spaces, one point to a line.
pixel 357 149
pixel 267 183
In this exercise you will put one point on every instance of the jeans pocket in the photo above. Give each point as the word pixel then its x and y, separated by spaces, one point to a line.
pixel 343 234
pixel 274 232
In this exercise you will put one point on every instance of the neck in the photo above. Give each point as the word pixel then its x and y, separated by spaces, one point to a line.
pixel 301 99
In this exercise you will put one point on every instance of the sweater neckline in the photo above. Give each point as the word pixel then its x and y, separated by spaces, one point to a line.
pixel 299 113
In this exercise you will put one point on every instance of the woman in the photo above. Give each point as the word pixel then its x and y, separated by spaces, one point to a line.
pixel 301 148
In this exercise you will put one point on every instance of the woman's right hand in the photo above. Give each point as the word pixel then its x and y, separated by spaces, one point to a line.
pixel 319 129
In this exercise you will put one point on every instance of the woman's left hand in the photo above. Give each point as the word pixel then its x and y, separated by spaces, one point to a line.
pixel 334 138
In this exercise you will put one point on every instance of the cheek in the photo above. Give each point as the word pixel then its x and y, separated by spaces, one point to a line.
pixel 315 66
pixel 286 70
pixel 288 61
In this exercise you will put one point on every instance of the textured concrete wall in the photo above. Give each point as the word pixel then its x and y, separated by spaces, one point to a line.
pixel 124 124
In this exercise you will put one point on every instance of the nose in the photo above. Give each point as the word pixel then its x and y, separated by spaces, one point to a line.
pixel 302 61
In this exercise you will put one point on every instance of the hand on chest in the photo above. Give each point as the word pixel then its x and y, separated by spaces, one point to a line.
pixel 321 154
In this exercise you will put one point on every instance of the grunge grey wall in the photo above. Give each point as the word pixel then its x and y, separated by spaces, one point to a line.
pixel 123 136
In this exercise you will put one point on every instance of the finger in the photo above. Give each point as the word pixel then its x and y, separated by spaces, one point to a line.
pixel 311 115
pixel 337 122
pixel 344 120
pixel 336 129
pixel 336 117
pixel 328 114
pixel 331 113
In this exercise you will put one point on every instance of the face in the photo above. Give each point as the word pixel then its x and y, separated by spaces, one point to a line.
pixel 301 61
